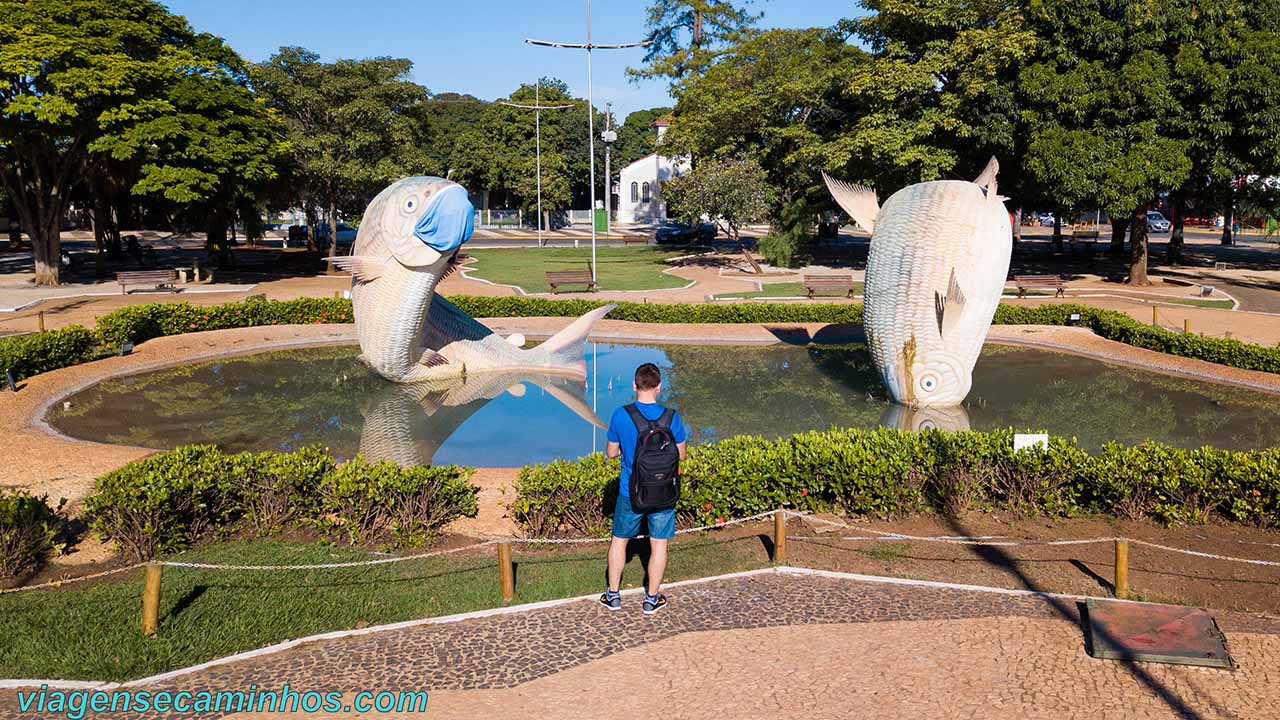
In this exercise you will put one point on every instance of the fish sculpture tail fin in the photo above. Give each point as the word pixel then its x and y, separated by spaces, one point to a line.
pixel 567 348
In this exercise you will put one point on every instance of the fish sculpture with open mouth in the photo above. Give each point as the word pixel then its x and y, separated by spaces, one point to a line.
pixel 407 243
pixel 936 270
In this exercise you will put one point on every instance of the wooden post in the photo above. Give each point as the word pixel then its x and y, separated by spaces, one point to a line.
pixel 506 572
pixel 780 537
pixel 337 294
pixel 1122 569
pixel 1186 326
pixel 151 599
pixel 40 317
pixel 1155 316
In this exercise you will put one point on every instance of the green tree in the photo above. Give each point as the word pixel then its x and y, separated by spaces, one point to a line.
pixel 69 71
pixel 352 125
pixel 445 118
pixel 778 98
pixel 685 34
pixel 1100 96
pixel 636 137
pixel 729 192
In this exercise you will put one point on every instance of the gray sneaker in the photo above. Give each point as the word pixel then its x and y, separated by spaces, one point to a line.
pixel 611 600
pixel 654 603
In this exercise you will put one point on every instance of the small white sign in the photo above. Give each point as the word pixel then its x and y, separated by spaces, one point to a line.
pixel 346 294
pixel 1023 441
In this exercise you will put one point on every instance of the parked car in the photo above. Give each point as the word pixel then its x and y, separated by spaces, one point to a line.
pixel 1157 222
pixel 1045 219
pixel 674 233
pixel 346 234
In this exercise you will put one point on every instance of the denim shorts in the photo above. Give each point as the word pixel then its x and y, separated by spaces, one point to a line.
pixel 626 522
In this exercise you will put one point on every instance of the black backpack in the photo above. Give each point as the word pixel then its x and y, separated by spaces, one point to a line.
pixel 655 475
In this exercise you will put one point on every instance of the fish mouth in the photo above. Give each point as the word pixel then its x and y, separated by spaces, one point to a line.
pixel 448 221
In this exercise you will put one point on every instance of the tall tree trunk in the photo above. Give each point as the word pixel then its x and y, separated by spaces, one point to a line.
pixel 1057 231
pixel 1173 255
pixel 333 235
pixel 1017 225
pixel 1119 226
pixel 1138 248
pixel 697 28
pixel 46 241
pixel 755 266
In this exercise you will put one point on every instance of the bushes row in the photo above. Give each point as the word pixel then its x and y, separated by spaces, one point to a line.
pixel 29 531
pixel 169 501
pixel 32 354
pixel 888 472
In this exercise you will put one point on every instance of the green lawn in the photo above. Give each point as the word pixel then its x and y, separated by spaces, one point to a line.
pixel 787 289
pixel 91 632
pixel 1197 302
pixel 625 268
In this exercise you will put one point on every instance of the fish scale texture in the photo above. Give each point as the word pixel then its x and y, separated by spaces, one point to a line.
pixel 925 233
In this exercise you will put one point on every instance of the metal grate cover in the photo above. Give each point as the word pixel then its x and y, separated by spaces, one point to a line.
pixel 1156 633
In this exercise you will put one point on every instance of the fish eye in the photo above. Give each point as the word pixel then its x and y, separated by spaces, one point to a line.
pixel 928 383
pixel 410 204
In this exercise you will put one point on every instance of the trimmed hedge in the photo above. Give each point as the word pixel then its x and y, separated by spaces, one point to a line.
pixel 28 532
pixel 888 472
pixel 169 501
pixel 32 354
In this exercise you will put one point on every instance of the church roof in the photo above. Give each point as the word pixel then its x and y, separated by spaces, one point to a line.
pixel 663 121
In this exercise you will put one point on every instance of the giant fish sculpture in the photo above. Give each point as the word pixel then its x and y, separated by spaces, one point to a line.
pixel 406 245
pixel 935 272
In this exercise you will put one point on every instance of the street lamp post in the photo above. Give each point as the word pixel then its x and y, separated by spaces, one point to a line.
pixel 537 107
pixel 609 137
pixel 591 129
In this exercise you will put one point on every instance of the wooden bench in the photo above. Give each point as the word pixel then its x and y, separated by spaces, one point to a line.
pixel 1035 282
pixel 634 240
pixel 556 278
pixel 162 279
pixel 818 283
pixel 1089 237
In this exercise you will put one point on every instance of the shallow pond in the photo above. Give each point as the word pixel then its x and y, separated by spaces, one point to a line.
pixel 284 400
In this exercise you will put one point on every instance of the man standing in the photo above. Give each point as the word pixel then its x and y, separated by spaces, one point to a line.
pixel 660 427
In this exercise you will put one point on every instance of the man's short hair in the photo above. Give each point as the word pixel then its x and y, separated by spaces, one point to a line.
pixel 648 377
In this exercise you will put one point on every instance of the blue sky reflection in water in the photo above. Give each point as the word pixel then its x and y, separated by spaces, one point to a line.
pixel 283 400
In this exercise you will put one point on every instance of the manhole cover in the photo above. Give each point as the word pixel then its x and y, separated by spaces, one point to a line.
pixel 1155 633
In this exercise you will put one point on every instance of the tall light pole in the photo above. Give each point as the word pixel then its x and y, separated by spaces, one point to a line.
pixel 537 107
pixel 591 128
pixel 609 137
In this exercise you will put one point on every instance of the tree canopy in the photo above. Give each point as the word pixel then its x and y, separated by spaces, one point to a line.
pixel 684 35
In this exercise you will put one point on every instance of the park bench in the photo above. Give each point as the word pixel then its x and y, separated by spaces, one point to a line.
pixel 819 283
pixel 556 278
pixel 634 240
pixel 1035 282
pixel 162 279
pixel 1084 237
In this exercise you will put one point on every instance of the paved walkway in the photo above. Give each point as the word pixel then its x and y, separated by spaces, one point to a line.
pixel 771 645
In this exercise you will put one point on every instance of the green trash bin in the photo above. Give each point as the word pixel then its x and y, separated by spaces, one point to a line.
pixel 602 221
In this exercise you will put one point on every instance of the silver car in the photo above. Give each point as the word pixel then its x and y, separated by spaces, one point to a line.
pixel 1157 222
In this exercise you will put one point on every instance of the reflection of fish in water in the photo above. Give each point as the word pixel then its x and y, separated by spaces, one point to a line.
pixel 938 261
pixel 916 419
pixel 408 423
pixel 406 244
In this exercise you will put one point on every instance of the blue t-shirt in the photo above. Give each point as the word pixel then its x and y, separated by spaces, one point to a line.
pixel 622 430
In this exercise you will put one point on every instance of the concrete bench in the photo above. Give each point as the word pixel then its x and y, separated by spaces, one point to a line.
pixel 820 283
pixel 1035 282
pixel 556 278
pixel 162 279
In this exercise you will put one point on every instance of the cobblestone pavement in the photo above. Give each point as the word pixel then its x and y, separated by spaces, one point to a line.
pixel 797 645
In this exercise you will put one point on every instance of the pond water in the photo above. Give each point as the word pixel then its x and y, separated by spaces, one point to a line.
pixel 285 400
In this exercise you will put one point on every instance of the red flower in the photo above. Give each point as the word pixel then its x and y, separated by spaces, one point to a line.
pixel 1257 493
pixel 706 507
pixel 804 492
pixel 719 521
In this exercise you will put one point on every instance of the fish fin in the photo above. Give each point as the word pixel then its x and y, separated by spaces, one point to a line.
pixel 987 180
pixel 431 358
pixel 948 307
pixel 362 267
pixel 857 200
pixel 567 348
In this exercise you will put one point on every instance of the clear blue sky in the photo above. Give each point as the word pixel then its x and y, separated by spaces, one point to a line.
pixel 472 46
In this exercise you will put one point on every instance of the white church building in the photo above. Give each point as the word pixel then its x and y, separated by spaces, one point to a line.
pixel 640 183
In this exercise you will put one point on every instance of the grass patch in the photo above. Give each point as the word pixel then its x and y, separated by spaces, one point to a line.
pixel 887 552
pixel 92 632
pixel 625 268
pixel 787 289
pixel 1197 302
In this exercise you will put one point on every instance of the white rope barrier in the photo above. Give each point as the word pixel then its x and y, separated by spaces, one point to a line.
pixel 874 536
